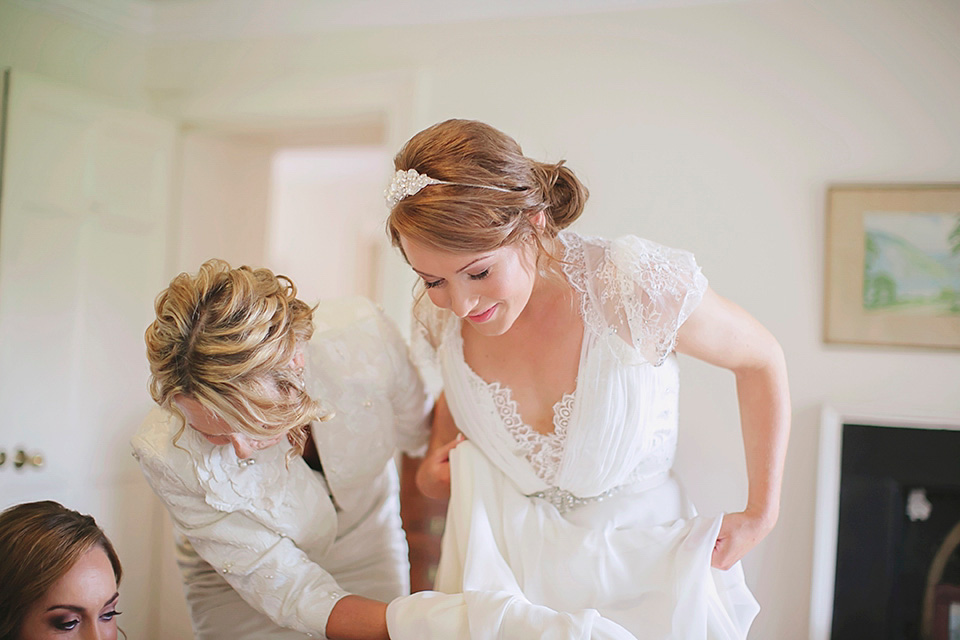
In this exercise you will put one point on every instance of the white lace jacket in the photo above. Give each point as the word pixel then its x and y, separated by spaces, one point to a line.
pixel 266 527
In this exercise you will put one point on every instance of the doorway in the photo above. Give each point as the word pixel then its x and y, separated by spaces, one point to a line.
pixel 304 200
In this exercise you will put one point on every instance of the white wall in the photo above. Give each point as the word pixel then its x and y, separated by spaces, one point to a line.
pixel 325 207
pixel 84 217
pixel 108 68
pixel 715 128
pixel 224 200
pixel 108 64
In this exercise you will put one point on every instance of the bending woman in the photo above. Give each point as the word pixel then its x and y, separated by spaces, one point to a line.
pixel 272 449
pixel 557 358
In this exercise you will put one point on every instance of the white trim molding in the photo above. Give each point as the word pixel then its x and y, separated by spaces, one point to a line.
pixel 118 17
pixel 161 20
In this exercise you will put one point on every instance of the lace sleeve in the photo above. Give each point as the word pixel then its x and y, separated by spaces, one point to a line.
pixel 648 291
pixel 411 405
pixel 267 569
pixel 426 329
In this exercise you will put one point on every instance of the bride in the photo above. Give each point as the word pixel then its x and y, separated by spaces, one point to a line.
pixel 556 353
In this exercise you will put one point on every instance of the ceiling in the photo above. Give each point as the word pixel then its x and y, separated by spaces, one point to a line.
pixel 214 19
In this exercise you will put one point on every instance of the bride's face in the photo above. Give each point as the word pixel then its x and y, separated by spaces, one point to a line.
pixel 489 289
pixel 81 604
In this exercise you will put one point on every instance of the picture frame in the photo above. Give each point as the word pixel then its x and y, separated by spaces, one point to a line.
pixel 892 273
pixel 946 613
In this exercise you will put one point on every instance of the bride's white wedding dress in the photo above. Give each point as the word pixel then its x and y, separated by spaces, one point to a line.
pixel 582 533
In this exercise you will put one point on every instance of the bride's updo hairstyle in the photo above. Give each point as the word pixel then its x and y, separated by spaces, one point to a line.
pixel 227 338
pixel 489 195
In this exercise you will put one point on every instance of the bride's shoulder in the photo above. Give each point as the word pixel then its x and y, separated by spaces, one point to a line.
pixel 635 288
pixel 610 259
pixel 641 259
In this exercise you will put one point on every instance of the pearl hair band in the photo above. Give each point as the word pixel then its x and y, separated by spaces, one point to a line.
pixel 406 183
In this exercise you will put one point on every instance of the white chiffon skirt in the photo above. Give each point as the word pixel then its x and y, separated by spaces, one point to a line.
pixel 635 566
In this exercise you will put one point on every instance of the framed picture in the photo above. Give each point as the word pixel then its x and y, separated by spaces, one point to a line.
pixel 893 265
pixel 946 613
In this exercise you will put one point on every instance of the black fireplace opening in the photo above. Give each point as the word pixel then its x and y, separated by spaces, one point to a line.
pixel 898 564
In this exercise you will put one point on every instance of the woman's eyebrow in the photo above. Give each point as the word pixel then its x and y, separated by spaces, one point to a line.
pixel 422 274
pixel 464 268
pixel 68 607
pixel 76 609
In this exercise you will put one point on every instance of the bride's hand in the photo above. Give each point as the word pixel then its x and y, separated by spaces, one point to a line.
pixel 739 533
pixel 433 475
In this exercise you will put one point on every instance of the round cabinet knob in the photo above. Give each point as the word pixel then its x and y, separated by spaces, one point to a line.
pixel 22 459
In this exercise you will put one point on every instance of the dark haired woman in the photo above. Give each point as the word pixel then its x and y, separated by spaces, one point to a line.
pixel 58 575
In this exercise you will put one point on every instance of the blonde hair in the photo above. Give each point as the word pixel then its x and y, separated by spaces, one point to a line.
pixel 463 218
pixel 227 338
pixel 39 543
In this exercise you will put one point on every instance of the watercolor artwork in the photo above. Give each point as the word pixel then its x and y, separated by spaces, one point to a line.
pixel 912 263
pixel 892 273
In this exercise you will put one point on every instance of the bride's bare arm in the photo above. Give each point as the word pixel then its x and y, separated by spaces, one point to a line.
pixel 433 475
pixel 721 333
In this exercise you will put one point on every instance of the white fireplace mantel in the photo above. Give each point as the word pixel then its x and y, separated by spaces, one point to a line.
pixel 827 516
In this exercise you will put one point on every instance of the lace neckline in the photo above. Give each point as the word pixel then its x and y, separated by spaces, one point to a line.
pixel 544 451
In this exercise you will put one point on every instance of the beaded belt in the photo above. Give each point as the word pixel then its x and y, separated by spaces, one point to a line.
pixel 563 500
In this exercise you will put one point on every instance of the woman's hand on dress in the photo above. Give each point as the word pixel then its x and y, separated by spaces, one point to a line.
pixel 739 533
pixel 433 475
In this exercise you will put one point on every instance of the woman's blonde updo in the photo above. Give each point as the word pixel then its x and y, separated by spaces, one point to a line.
pixel 463 218
pixel 227 338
